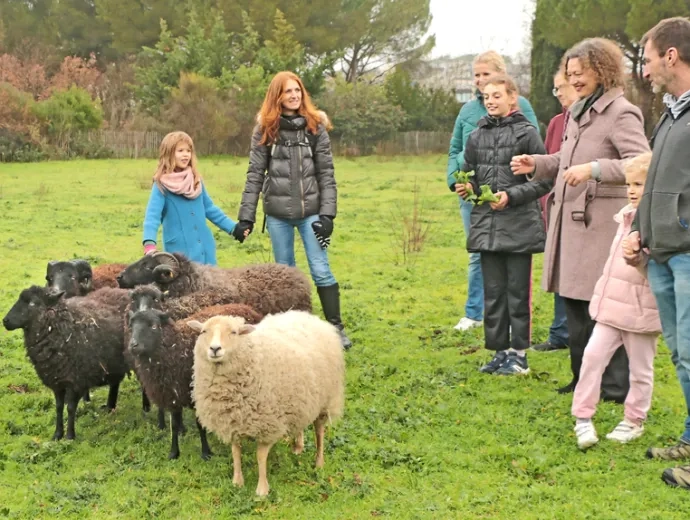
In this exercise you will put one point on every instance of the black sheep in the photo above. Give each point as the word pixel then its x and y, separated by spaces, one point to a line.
pixel 74 344
pixel 77 278
pixel 267 288
pixel 163 353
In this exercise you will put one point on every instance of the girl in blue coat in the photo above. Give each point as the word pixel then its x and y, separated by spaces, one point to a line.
pixel 180 202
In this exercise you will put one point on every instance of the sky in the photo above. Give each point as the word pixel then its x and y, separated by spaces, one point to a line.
pixel 472 26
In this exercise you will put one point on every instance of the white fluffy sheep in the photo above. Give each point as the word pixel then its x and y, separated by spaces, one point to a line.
pixel 267 381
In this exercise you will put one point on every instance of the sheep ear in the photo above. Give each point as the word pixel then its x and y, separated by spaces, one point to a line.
pixel 246 329
pixel 195 325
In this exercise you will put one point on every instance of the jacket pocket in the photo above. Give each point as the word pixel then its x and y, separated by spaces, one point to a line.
pixel 670 221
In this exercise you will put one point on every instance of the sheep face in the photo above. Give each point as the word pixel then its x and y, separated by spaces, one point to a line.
pixel 31 303
pixel 157 267
pixel 217 336
pixel 147 332
pixel 146 297
pixel 73 277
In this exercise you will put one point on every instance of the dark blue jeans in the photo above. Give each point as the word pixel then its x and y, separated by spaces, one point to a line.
pixel 474 308
pixel 558 332
pixel 670 284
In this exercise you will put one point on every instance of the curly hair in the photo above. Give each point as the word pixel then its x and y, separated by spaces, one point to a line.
pixel 272 108
pixel 638 164
pixel 601 56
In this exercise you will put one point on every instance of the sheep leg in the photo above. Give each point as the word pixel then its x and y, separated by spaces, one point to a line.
pixel 205 449
pixel 319 429
pixel 176 420
pixel 145 403
pixel 112 394
pixel 261 456
pixel 298 443
pixel 87 397
pixel 59 409
pixel 72 399
pixel 237 477
pixel 161 418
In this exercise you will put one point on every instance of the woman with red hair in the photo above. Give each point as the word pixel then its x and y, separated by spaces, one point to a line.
pixel 291 164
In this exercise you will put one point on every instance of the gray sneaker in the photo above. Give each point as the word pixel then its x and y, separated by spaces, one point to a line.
pixel 680 451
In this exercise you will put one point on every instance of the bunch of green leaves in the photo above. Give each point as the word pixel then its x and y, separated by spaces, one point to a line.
pixel 464 178
pixel 486 195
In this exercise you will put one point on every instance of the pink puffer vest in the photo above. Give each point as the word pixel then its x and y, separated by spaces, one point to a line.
pixel 622 296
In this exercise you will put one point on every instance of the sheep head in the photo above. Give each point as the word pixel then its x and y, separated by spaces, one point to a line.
pixel 73 277
pixel 217 335
pixel 147 331
pixel 158 267
pixel 31 303
pixel 146 297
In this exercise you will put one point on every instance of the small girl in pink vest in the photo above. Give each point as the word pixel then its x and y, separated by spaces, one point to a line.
pixel 625 311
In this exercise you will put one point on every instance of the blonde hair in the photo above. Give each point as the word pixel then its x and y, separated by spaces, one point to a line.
pixel 506 81
pixel 639 164
pixel 166 157
pixel 491 58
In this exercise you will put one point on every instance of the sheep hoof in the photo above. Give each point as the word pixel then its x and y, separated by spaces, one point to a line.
pixel 238 481
pixel 70 436
pixel 57 436
pixel 262 490
pixel 174 455
pixel 206 455
pixel 319 462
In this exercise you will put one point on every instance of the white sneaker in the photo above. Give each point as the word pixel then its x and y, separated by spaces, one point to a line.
pixel 625 432
pixel 467 324
pixel 586 435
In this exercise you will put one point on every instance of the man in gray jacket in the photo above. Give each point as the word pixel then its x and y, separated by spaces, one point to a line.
pixel 662 224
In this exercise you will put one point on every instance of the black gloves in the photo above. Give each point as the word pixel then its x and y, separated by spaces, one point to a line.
pixel 323 229
pixel 240 228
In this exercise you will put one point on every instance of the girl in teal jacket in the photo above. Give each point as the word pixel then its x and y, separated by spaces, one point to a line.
pixel 180 202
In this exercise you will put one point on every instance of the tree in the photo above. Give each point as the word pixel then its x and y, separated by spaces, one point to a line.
pixel 361 114
pixel 425 109
pixel 563 23
pixel 382 34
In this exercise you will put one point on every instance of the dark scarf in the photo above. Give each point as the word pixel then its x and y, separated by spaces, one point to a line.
pixel 581 106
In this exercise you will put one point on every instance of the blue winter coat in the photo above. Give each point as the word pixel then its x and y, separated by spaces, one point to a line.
pixel 184 224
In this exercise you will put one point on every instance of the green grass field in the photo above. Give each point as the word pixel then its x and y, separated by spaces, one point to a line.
pixel 424 434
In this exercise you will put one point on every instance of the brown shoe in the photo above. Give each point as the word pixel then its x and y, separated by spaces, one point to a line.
pixel 680 451
pixel 677 477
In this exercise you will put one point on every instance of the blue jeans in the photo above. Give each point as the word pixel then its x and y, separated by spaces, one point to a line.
pixel 558 332
pixel 670 284
pixel 282 233
pixel 474 308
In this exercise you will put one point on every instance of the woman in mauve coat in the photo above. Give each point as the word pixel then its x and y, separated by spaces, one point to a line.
pixel 603 129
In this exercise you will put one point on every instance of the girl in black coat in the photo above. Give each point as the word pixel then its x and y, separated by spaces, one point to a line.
pixel 506 232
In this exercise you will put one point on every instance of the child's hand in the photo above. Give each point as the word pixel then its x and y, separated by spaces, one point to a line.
pixel 502 201
pixel 463 189
pixel 149 249
pixel 632 251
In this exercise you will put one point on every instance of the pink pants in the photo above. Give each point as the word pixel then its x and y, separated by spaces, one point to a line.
pixel 603 343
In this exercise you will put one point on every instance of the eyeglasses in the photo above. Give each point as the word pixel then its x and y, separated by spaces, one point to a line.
pixel 556 90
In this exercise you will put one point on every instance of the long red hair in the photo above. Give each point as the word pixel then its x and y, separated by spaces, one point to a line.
pixel 272 108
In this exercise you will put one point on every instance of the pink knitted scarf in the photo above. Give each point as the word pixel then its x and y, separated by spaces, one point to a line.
pixel 181 183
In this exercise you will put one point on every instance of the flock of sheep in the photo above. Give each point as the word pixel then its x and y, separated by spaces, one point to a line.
pixel 240 346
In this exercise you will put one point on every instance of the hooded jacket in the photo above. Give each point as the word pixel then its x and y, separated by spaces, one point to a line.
pixel 519 227
pixel 295 176
pixel 622 296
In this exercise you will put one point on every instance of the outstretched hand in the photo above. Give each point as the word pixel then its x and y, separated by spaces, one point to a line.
pixel 522 164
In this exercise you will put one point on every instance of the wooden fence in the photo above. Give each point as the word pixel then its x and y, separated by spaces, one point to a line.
pixel 131 144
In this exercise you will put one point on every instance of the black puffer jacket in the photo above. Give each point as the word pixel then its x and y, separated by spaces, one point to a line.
pixel 519 227
pixel 294 184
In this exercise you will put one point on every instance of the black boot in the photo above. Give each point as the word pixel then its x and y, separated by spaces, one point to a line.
pixel 330 301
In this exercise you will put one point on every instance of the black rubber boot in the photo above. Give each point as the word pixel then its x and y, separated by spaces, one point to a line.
pixel 330 302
